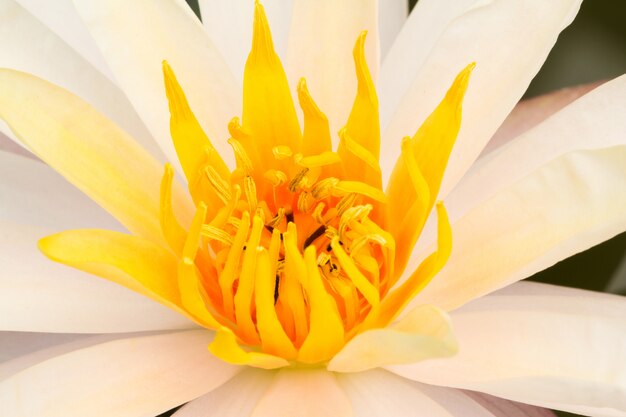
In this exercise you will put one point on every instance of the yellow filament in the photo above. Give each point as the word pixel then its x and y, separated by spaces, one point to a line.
pixel 274 339
pixel 326 331
pixel 229 273
pixel 363 285
pixel 245 289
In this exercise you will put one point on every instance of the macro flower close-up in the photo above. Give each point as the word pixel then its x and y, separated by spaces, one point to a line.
pixel 299 208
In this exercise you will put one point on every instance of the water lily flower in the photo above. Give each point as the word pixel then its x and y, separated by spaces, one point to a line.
pixel 271 272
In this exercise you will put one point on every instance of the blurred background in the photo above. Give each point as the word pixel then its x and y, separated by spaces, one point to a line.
pixel 591 49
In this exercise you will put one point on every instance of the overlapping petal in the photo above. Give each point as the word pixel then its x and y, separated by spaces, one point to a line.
pixel 509 42
pixel 142 376
pixel 38 295
pixel 538 344
pixel 135 37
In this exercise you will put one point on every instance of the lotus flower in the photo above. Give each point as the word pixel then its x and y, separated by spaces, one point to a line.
pixel 285 280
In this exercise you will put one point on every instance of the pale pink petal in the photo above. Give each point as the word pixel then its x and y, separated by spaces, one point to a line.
pixel 378 393
pixel 36 194
pixel 392 15
pixel 547 346
pixel 139 376
pixel 322 53
pixel 61 18
pixel 567 206
pixel 303 393
pixel 136 36
pixel 229 24
pixel 28 45
pixel 28 349
pixel 236 398
pixel 508 40
pixel 39 295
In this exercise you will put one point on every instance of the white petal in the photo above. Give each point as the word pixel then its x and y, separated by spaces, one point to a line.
pixel 33 193
pixel 138 376
pixel 229 24
pixel 322 36
pixel 379 393
pixel 39 295
pixel 567 206
pixel 237 397
pixel 35 348
pixel 135 37
pixel 303 393
pixel 559 347
pixel 508 40
pixel 27 45
pixel 592 122
pixel 424 333
pixel 61 18
pixel 392 15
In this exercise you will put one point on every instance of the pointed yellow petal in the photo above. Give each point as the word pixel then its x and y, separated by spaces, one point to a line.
pixel 424 333
pixel 400 297
pixel 363 126
pixel 173 232
pixel 273 337
pixel 89 150
pixel 225 347
pixel 268 110
pixel 131 261
pixel 316 137
pixel 422 164
pixel 326 329
pixel 194 149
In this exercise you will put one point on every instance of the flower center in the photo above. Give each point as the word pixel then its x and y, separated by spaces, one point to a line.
pixel 293 253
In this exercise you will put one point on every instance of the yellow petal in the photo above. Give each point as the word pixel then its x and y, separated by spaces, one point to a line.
pixel 316 137
pixel 193 147
pixel 225 347
pixel 363 126
pixel 89 150
pixel 268 110
pixel 399 297
pixel 173 232
pixel 326 333
pixel 424 333
pixel 430 147
pixel 131 261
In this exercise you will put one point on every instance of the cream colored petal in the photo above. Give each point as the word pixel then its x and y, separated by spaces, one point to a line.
pixel 594 121
pixel 424 333
pixel 567 347
pixel 89 150
pixel 136 36
pixel 139 376
pixel 322 53
pixel 28 349
pixel 237 397
pixel 508 40
pixel 531 112
pixel 229 24
pixel 28 45
pixel 378 393
pixel 39 295
pixel 303 393
pixel 568 205
pixel 61 18
pixel 33 193
pixel 392 15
